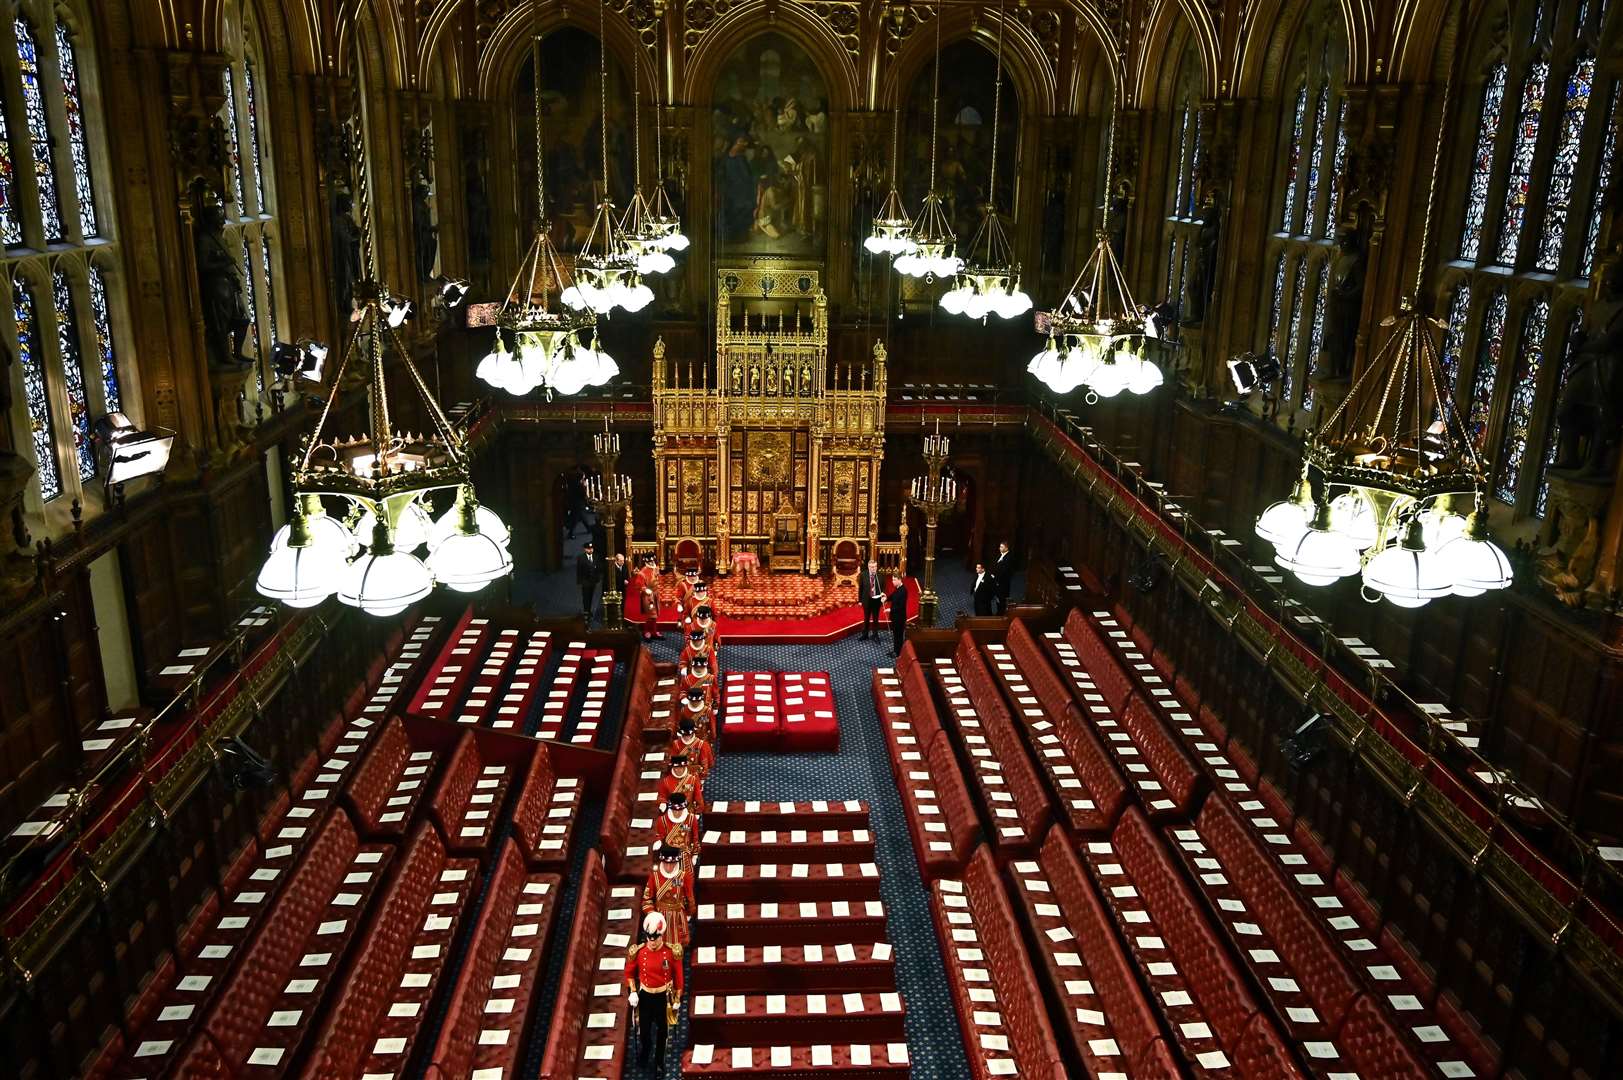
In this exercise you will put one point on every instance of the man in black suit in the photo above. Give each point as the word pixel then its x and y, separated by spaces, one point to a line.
pixel 622 574
pixel 586 575
pixel 1003 574
pixel 871 586
pixel 898 617
pixel 985 590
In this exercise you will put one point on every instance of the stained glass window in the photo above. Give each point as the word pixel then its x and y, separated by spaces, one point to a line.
pixel 1293 332
pixel 1293 158
pixel 1172 267
pixel 1489 345
pixel 73 106
pixel 1315 160
pixel 1459 311
pixel 1519 406
pixel 112 397
pixel 1603 178
pixel 1476 206
pixel 253 135
pixel 35 393
pixel 73 374
pixel 1552 436
pixel 1519 182
pixel 11 229
pixel 1180 175
pixel 270 285
pixel 39 132
pixel 1274 306
pixel 233 154
pixel 1194 164
pixel 1564 169
pixel 1315 337
pixel 1338 163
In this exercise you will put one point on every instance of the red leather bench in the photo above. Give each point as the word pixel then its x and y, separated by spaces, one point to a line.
pixel 941 817
pixel 806 702
pixel 1014 804
pixel 992 984
pixel 468 801
pixel 1088 793
pixel 589 718
pixel 750 718
pixel 761 814
pixel 588 1032
pixel 262 1015
pixel 489 1012
pixel 802 842
pixel 779 1017
pixel 555 709
pixel 487 679
pixel 1179 783
pixel 822 922
pixel 446 681
pixel 790 881
pixel 384 792
pixel 513 710
pixel 1192 980
pixel 384 1000
pixel 824 1061
pixel 662 705
pixel 1110 1027
pixel 792 967
pixel 544 815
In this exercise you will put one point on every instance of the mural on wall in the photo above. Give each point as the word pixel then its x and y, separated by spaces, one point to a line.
pixel 770 132
pixel 964 138
pixel 570 117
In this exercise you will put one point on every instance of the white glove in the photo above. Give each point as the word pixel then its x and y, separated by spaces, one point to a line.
pixel 631 995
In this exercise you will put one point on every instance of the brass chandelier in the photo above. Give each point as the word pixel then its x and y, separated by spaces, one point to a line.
pixel 928 253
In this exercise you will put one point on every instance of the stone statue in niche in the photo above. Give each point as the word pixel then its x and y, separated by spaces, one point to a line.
pixel 346 253
pixel 1345 304
pixel 755 378
pixel 1203 275
pixel 805 378
pixel 772 379
pixel 788 380
pixel 424 233
pixel 219 286
pixel 735 378
pixel 478 218
pixel 1590 411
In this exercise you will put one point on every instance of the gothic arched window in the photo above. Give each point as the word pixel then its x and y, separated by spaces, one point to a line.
pixel 1528 219
pixel 1552 434
pixel 1182 183
pixel 60 249
pixel 1313 141
pixel 250 212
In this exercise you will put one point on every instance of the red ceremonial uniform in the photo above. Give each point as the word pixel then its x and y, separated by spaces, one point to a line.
pixel 701 757
pixel 689 785
pixel 650 608
pixel 655 969
pixel 683 834
pixel 703 718
pixel 672 896
pixel 705 682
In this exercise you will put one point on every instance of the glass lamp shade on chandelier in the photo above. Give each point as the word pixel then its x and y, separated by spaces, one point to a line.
pixel 1098 335
pixel 385 478
pixel 988 281
pixel 923 246
pixel 1379 491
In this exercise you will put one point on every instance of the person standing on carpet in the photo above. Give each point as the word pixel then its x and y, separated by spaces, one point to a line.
pixel 1003 574
pixel 985 590
pixel 648 594
pixel 872 586
pixel 586 575
pixel 898 617
pixel 670 892
pixel 654 974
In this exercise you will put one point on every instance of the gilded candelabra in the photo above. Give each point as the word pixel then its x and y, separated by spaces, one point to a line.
pixel 609 495
pixel 934 495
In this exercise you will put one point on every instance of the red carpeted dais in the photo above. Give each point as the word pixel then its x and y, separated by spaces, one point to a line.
pixel 755 627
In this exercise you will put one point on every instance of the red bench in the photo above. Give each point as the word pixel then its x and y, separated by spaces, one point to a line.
pixel 385 998
pixel 1110 1026
pixel 393 778
pixel 544 815
pixel 807 703
pixel 589 718
pixel 1087 790
pixel 443 686
pixel 992 985
pixel 486 1020
pixel 821 922
pixel 261 1016
pixel 743 968
pixel 1014 803
pixel 750 718
pixel 468 801
pixel 487 680
pixel 940 815
pixel 589 1028
pixel 760 814
pixel 824 1061
pixel 1193 982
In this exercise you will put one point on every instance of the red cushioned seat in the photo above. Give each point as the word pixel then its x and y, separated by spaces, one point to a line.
pixel 1014 803
pixel 806 705
pixel 1179 782
pixel 822 922
pixel 544 814
pixel 467 803
pixel 792 967
pixel 384 792
pixel 750 717
pixel 588 1032
pixel 776 814
pixel 758 1019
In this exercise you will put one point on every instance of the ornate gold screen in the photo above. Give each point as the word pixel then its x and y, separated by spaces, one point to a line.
pixel 771 422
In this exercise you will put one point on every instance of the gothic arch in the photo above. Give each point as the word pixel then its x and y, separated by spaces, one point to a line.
pixel 1033 77
pixel 744 22
pixel 1170 33
pixel 509 47
pixel 390 32
pixel 1271 34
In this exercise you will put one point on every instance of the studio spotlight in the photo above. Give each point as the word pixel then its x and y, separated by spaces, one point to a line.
pixel 398 310
pixel 1248 371
pixel 1304 745
pixel 453 292
pixel 124 451
pixel 303 360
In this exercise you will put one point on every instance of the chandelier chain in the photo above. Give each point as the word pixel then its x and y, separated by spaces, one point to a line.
pixel 935 97
pixel 603 91
pixel 540 157
pixel 997 104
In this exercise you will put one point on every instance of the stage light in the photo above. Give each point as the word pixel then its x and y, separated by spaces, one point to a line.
pixel 125 452
pixel 1249 372
pixel 453 292
pixel 398 310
